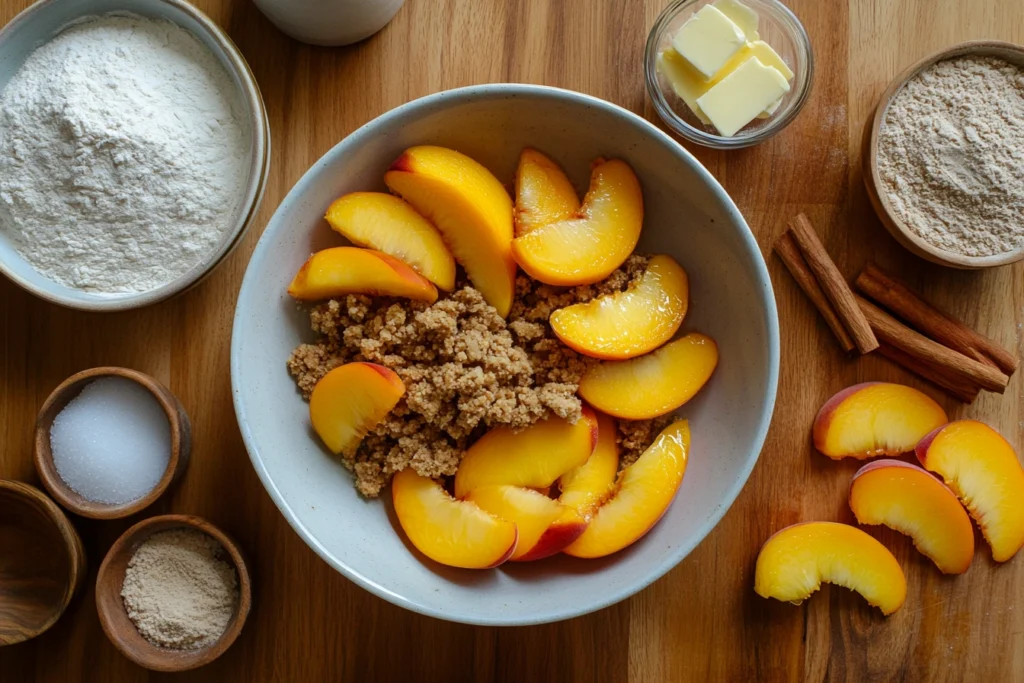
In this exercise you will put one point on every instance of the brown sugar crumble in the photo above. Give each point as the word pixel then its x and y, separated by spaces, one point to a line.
pixel 465 369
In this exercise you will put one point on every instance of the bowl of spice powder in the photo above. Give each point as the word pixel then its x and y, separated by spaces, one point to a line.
pixel 944 157
pixel 173 593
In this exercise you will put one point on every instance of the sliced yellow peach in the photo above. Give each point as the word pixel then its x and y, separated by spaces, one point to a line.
pixel 586 487
pixel 453 532
pixel 545 526
pixel 386 223
pixel 983 470
pixel 795 562
pixel 587 248
pixel 350 270
pixel 471 209
pixel 908 499
pixel 630 323
pixel 642 494
pixel 875 418
pixel 350 400
pixel 654 384
pixel 543 193
pixel 533 457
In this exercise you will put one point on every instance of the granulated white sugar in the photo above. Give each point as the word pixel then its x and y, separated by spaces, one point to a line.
pixel 111 443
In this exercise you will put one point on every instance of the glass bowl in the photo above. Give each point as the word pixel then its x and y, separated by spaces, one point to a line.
pixel 778 27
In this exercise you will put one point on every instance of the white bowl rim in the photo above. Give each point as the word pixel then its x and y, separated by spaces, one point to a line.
pixel 262 251
pixel 252 197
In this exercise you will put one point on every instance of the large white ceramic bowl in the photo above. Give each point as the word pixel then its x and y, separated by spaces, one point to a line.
pixel 688 215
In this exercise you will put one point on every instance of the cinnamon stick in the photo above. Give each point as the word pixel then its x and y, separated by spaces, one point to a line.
pixel 944 359
pixel 899 299
pixel 832 283
pixel 788 251
pixel 954 386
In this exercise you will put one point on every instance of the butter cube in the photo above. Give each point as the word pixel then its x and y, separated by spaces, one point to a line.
pixel 686 82
pixel 708 40
pixel 766 54
pixel 741 15
pixel 738 98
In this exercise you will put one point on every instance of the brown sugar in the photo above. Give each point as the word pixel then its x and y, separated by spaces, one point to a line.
pixel 464 367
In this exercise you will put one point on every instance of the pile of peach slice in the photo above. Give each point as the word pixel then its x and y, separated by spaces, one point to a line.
pixel 975 466
pixel 506 479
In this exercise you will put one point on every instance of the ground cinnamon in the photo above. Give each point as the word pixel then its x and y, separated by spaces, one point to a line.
pixel 931 322
pixel 833 284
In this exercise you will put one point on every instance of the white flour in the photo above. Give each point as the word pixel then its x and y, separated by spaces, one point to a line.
pixel 124 151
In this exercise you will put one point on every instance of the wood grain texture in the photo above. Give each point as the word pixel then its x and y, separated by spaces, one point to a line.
pixel 702 622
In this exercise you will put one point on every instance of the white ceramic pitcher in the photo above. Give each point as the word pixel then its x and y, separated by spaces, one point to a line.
pixel 330 22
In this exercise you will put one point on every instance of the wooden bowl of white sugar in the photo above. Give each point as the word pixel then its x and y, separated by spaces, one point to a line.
pixel 942 156
pixel 155 167
pixel 109 441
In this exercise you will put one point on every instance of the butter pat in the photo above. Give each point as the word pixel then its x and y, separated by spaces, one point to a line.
pixel 686 82
pixel 741 15
pixel 708 40
pixel 738 98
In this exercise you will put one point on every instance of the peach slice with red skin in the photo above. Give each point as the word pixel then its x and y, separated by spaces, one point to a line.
pixel 982 469
pixel 533 457
pixel 545 525
pixel 586 487
pixel 588 247
pixel 910 500
pixel 471 210
pixel 390 225
pixel 350 400
pixel 630 323
pixel 654 384
pixel 453 532
pixel 544 193
pixel 875 418
pixel 795 561
pixel 640 497
pixel 338 271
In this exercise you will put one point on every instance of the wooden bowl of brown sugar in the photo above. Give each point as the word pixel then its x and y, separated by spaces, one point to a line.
pixel 173 593
pixel 963 249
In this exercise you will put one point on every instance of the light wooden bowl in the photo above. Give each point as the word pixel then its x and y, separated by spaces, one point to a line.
pixel 872 178
pixel 181 443
pixel 119 627
pixel 42 562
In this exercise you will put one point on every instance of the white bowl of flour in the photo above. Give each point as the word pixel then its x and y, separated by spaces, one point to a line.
pixel 134 150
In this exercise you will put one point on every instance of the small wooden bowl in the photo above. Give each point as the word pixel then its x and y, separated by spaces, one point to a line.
pixel 1008 52
pixel 42 562
pixel 119 627
pixel 181 443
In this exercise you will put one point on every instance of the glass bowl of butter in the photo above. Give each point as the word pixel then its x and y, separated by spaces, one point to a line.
pixel 728 73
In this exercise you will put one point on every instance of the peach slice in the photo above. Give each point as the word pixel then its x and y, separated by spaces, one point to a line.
pixel 908 499
pixel 386 223
pixel 350 270
pixel 588 247
pixel 586 487
pixel 795 562
pixel 985 474
pixel 641 496
pixel 543 193
pixel 654 384
pixel 533 457
pixel 350 400
pixel 471 209
pixel 630 323
pixel 453 532
pixel 875 418
pixel 545 526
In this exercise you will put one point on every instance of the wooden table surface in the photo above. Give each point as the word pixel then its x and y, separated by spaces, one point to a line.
pixel 701 622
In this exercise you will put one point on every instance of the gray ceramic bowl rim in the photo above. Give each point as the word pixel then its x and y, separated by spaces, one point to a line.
pixel 493 91
pixel 252 197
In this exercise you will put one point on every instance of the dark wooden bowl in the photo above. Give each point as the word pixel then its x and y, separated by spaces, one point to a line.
pixel 119 627
pixel 42 562
pixel 1008 52
pixel 181 443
